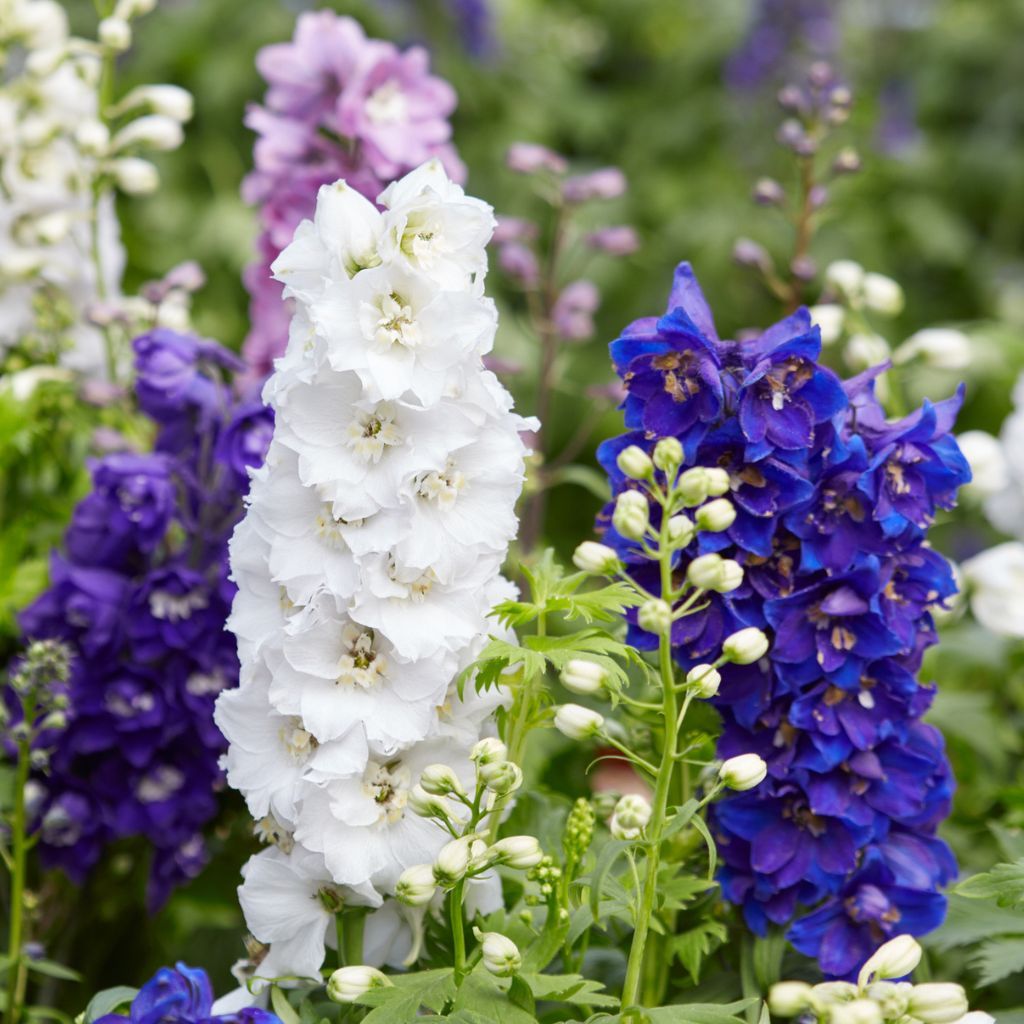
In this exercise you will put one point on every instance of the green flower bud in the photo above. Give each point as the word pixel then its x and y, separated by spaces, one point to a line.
pixel 635 462
pixel 347 984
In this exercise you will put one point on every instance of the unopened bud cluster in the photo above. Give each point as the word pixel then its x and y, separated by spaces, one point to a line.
pixel 546 874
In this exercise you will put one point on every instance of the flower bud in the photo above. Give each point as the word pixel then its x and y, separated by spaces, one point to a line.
pixel 488 750
pixel 518 852
pixel 892 997
pixel 865 349
pixel 347 984
pixel 428 805
pixel 937 1003
pixel 743 772
pixel 152 131
pixel 990 471
pixel 895 959
pixel 668 455
pixel 731 576
pixel 115 34
pixel 718 481
pixel 692 486
pixel 135 176
pixel 745 646
pixel 501 777
pixel 832 993
pixel 452 862
pixel 500 954
pixel 577 722
pixel 169 100
pixel 705 571
pixel 440 780
pixel 789 998
pixel 416 885
pixel 846 277
pixel 681 530
pixel 93 137
pixel 703 680
pixel 481 856
pixel 598 559
pixel 858 1011
pixel 655 616
pixel 583 677
pixel 635 462
pixel 882 294
pixel 633 811
pixel 717 515
pixel 632 515
pixel 941 347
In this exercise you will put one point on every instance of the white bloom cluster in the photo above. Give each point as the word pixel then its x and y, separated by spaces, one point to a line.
pixel 370 554
pixel 61 155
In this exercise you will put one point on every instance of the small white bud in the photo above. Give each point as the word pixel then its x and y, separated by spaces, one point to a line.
pixel 858 1011
pixel 832 993
pixel 440 780
pixel 452 861
pixel 655 616
pixel 845 276
pixel 52 228
pixel 717 515
pixel 895 959
pixel 731 576
pixel 718 481
pixel 632 515
pixel 501 777
pixel 705 571
pixel 937 1003
pixel 891 996
pixel 633 811
pixel 152 131
pixel 93 137
pixel 941 347
pixel 681 530
pixel 863 350
pixel 134 8
pixel 789 998
pixel 577 722
pixel 135 176
pixel 416 885
pixel 347 984
pixel 598 559
pixel 668 455
pixel 745 646
pixel 169 100
pixel 428 805
pixel 583 677
pixel 481 856
pixel 115 34
pixel 635 462
pixel 883 295
pixel 829 318
pixel 488 750
pixel 704 680
pixel 990 471
pixel 520 852
pixel 19 264
pixel 743 772
pixel 500 954
pixel 692 486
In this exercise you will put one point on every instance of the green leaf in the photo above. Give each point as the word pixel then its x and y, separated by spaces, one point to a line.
pixel 47 1013
pixel 110 1000
pixel 969 921
pixel 680 818
pixel 400 1002
pixel 610 853
pixel 569 988
pixel 520 993
pixel 51 969
pixel 693 1013
pixel 1004 884
pixel 998 959
pixel 583 476
pixel 482 993
pixel 701 826
pixel 541 952
pixel 693 946
pixel 284 1009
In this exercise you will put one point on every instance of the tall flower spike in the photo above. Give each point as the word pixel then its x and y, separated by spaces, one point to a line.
pixel 370 554
pixel 832 506
pixel 338 105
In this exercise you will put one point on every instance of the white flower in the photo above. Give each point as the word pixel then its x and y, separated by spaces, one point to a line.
pixel 577 722
pixel 894 959
pixel 941 347
pixel 846 277
pixel 995 579
pixel 501 956
pixel 990 473
pixel 743 772
pixel 937 1003
pixel 882 294
pixel 347 984
pixel 829 317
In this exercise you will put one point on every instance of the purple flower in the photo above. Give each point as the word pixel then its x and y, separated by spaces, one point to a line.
pixel 244 441
pixel 573 310
pixel 530 157
pixel 607 183
pixel 616 240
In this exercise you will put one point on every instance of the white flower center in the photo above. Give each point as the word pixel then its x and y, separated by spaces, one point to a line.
pixel 393 323
pixel 416 588
pixel 371 432
pixel 442 487
pixel 387 105
pixel 360 665
pixel 159 784
pixel 388 786
pixel 299 743
pixel 328 528
pixel 165 605
pixel 270 830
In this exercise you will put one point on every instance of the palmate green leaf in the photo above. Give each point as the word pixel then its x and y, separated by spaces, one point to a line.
pixel 998 959
pixel 110 1000
pixel 546 946
pixel 597 879
pixel 400 1002
pixel 481 993
pixel 569 988
pixel 1004 884
pixel 694 946
pixel 497 658
pixel 970 920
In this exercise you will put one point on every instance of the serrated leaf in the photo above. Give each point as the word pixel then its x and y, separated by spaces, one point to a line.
pixel 569 988
pixel 693 946
pixel 400 1002
pixel 1004 884
pixel 691 1013
pixel 606 858
pixel 969 921
pixel 547 945
pixel 998 959
pixel 520 993
pixel 110 1000
pixel 482 993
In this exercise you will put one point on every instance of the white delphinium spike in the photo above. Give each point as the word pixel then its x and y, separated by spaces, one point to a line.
pixel 370 554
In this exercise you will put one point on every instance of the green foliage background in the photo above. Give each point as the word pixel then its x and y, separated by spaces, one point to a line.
pixel 640 85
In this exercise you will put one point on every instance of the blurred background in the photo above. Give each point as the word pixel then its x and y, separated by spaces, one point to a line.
pixel 681 96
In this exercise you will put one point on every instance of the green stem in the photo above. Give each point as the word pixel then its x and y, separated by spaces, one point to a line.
pixel 339 938
pixel 355 919
pixel 662 789
pixel 458 930
pixel 16 977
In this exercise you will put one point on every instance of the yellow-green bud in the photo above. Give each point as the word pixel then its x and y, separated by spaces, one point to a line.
pixel 635 462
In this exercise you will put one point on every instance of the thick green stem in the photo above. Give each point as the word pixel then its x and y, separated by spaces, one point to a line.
pixel 16 977
pixel 458 930
pixel 662 790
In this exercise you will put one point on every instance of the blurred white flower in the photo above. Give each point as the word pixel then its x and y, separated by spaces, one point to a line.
pixel 995 579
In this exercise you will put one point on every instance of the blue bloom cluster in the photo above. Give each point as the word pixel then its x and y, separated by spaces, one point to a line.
pixel 141 594
pixel 182 995
pixel 833 504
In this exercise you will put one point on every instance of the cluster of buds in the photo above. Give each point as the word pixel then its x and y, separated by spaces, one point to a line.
pixel 630 817
pixel 37 685
pixel 547 875
pixel 876 997
pixel 440 795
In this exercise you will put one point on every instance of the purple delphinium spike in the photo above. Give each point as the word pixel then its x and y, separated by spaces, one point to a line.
pixel 833 505
pixel 141 595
